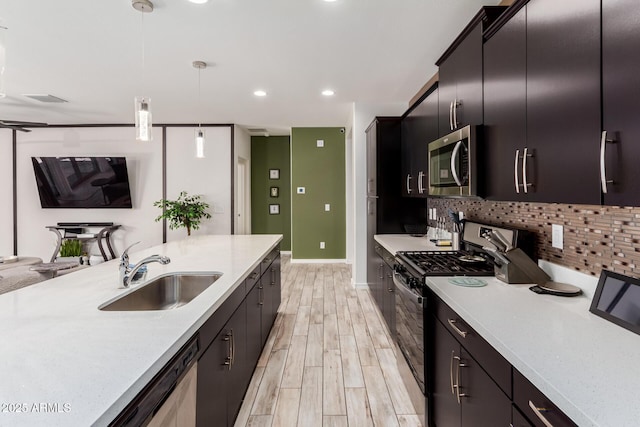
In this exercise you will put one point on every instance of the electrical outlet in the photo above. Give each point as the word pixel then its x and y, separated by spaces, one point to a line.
pixel 321 245
pixel 320 143
pixel 327 207
pixel 300 190
pixel 557 236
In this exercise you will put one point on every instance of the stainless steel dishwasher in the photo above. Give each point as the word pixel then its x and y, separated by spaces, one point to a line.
pixel 170 398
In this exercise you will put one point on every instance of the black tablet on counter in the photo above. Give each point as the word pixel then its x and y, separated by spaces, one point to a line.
pixel 617 299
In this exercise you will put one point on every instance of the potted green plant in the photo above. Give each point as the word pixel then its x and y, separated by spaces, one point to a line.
pixel 70 250
pixel 187 211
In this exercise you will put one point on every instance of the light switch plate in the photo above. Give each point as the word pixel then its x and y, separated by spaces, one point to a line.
pixel 300 190
pixel 321 245
pixel 557 236
pixel 320 142
pixel 327 207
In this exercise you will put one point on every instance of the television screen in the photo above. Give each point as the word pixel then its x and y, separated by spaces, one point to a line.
pixel 82 182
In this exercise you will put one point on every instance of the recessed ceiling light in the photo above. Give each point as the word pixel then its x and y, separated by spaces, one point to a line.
pixel 260 93
pixel 328 92
pixel 199 1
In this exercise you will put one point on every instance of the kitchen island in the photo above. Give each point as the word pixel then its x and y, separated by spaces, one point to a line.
pixel 584 364
pixel 67 363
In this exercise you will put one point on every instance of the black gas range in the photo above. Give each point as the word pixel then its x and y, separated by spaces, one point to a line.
pixel 445 263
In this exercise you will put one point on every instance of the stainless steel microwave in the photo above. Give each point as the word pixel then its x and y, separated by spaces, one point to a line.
pixel 452 164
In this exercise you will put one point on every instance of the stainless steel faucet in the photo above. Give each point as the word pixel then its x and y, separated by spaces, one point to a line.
pixel 127 273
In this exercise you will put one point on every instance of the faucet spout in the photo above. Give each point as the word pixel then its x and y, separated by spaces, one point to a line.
pixel 128 273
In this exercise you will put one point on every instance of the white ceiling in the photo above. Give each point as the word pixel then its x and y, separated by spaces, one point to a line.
pixel 89 52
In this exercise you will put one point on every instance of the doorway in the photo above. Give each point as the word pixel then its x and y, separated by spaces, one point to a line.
pixel 243 195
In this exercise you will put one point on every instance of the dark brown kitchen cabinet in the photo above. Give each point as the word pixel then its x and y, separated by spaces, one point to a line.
pixel 223 373
pixel 517 419
pixel 560 156
pixel 621 102
pixel 383 288
pixel 387 210
pixel 542 103
pixel 460 74
pixel 232 340
pixel 505 108
pixel 463 393
pixel 419 127
pixel 535 406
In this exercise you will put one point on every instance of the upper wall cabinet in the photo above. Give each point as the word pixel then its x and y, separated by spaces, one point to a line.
pixel 542 103
pixel 460 74
pixel 419 127
pixel 620 139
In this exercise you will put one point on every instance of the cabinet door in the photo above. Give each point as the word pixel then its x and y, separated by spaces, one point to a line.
pixel 241 369
pixel 468 62
pixel 505 108
pixel 563 100
pixel 254 324
pixel 389 311
pixel 213 374
pixel 407 179
pixel 621 100
pixel 483 403
pixel 275 287
pixel 447 94
pixel 444 404
pixel 517 419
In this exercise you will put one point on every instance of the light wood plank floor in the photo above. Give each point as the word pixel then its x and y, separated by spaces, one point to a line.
pixel 329 360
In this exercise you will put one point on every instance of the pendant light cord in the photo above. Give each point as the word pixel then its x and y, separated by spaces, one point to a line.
pixel 199 106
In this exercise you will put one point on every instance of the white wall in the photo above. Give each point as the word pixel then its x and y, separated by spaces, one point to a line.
pixel 210 177
pixel 363 115
pixel 144 165
pixel 6 192
pixel 242 141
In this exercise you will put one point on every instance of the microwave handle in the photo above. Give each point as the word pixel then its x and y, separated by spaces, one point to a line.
pixel 454 156
pixel 515 172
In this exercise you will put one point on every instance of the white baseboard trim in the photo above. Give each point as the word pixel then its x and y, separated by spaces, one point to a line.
pixel 360 285
pixel 318 261
pixel 285 253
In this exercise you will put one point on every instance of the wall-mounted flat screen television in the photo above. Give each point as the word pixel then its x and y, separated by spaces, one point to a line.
pixel 82 182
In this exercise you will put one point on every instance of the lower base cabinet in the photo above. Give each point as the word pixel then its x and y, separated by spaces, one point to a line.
pixel 179 410
pixel 463 393
pixel 226 364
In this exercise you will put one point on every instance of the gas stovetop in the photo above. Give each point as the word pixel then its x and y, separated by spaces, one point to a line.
pixel 445 263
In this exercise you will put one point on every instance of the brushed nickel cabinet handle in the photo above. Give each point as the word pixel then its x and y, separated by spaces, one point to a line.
pixel 420 180
pixel 455 113
pixel 408 183
pixel 516 180
pixel 458 394
pixel 460 332
pixel 525 181
pixel 453 386
pixel 228 361
pixel 454 157
pixel 451 115
pixel 260 296
pixel 538 412
pixel 233 349
pixel 603 154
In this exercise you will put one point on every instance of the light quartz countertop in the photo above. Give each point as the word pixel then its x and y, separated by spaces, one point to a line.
pixel 405 242
pixel 66 363
pixel 586 365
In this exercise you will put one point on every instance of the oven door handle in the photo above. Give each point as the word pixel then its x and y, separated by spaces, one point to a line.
pixel 404 289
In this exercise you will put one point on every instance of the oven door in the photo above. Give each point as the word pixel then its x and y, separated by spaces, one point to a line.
pixel 410 326
pixel 452 160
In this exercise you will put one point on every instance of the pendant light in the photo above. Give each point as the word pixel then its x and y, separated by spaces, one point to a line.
pixel 142 104
pixel 200 65
pixel 3 60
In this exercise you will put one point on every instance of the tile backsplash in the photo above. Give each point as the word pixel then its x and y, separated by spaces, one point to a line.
pixel 595 237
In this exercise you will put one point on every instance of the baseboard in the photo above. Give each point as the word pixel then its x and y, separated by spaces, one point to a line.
pixel 360 285
pixel 285 253
pixel 318 261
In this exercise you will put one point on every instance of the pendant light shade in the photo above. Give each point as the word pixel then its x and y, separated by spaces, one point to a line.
pixel 200 143
pixel 143 119
pixel 199 65
pixel 142 104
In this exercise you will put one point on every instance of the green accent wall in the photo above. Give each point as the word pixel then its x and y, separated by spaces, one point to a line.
pixel 322 172
pixel 271 152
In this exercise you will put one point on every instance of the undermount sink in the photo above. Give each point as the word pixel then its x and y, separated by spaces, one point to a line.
pixel 164 292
